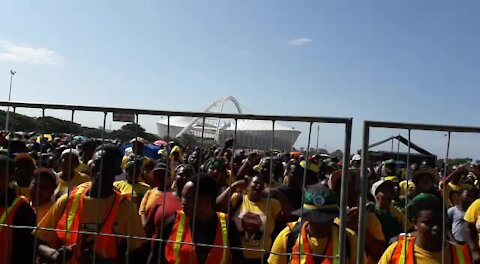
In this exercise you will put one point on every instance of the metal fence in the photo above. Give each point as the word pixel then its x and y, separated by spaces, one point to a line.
pixel 347 122
pixel 365 161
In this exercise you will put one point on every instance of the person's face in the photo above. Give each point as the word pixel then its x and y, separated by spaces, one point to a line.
pixel 24 172
pixel 295 177
pixel 467 198
pixel 237 163
pixel 134 172
pixel 428 224
pixel 216 173
pixel 68 163
pixel 356 164
pixel 87 154
pixel 158 177
pixel 106 170
pixel 204 204
pixel 41 190
pixel 265 169
pixel 255 188
pixel 384 197
pixel 194 159
pixel 390 170
pixel 227 156
pixel 181 177
pixel 425 183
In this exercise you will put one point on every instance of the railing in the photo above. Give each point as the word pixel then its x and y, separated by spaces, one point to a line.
pixel 347 122
pixel 365 161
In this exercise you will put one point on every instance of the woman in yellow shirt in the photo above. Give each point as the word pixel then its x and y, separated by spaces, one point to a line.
pixel 424 246
pixel 254 215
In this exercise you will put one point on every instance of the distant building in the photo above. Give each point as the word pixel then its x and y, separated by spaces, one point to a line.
pixel 252 134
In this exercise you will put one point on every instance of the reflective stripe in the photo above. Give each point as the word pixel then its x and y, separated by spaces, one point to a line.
pixel 4 215
pixel 404 250
pixel 73 211
pixel 176 247
pixel 401 259
pixel 335 249
pixel 301 250
pixel 223 224
pixel 459 255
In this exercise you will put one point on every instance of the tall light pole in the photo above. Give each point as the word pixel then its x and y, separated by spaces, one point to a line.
pixel 12 72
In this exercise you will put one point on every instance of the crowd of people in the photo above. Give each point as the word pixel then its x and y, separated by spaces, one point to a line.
pixel 67 201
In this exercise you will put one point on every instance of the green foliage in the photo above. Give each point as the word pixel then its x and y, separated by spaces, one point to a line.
pixel 49 124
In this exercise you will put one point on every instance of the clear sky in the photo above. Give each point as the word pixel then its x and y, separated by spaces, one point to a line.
pixel 412 61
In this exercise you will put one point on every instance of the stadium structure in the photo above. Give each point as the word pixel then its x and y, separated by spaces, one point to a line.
pixel 251 134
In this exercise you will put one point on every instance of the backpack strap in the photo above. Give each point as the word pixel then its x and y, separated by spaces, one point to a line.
pixel 292 237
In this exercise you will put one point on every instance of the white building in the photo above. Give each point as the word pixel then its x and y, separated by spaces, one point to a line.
pixel 255 134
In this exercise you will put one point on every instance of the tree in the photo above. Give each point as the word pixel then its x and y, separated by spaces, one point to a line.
pixel 337 154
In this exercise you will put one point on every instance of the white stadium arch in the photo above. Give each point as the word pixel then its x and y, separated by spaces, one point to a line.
pixel 255 134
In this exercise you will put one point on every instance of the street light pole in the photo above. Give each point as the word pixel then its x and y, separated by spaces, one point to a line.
pixel 12 72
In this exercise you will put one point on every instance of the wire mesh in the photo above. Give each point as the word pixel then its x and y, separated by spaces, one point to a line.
pixel 368 125
pixel 128 237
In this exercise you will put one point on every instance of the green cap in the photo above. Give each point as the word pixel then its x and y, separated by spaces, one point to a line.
pixel 134 160
pixel 320 205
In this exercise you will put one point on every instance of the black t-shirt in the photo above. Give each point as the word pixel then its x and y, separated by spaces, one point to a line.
pixel 22 238
pixel 205 234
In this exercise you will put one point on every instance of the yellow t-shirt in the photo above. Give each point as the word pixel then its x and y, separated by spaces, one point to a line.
pixel 455 188
pixel 93 210
pixel 422 256
pixel 82 167
pixel 139 189
pixel 317 245
pixel 24 191
pixel 64 186
pixel 42 210
pixel 373 226
pixel 472 215
pixel 403 187
pixel 126 158
pixel 398 213
pixel 255 224
pixel 148 201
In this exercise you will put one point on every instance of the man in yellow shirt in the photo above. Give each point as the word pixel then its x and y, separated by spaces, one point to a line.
pixel 100 206
pixel 424 246
pixel 315 233
pixel 132 187
pixel 68 177
pixel 87 149
pixel 391 218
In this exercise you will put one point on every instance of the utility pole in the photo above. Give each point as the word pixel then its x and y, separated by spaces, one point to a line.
pixel 12 72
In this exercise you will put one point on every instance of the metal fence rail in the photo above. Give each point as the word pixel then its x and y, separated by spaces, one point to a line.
pixel 347 122
pixel 365 158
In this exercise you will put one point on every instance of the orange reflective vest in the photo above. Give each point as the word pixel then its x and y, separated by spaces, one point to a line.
pixel 106 246
pixel 177 253
pixel 301 253
pixel 6 218
pixel 404 252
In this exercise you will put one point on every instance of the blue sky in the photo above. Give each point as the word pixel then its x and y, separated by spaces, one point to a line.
pixel 411 61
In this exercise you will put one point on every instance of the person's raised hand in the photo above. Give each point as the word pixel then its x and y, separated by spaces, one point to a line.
pixel 239 186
